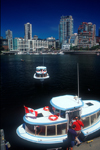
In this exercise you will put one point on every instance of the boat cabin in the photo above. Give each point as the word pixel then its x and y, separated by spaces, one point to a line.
pixel 41 71
pixel 60 114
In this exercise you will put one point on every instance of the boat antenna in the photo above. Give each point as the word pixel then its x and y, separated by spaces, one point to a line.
pixel 43 56
pixel 78 77
pixel 43 60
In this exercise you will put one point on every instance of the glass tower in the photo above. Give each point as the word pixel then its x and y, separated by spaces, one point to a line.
pixel 8 34
pixel 28 31
pixel 65 28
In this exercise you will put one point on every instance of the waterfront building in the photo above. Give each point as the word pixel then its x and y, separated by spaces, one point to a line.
pixel 51 42
pixel 65 28
pixel 8 34
pixel 28 31
pixel 38 45
pixel 4 43
pixel 70 41
pixel 86 35
pixel 26 46
pixel 35 37
pixel 20 44
pixel 97 40
pixel 10 44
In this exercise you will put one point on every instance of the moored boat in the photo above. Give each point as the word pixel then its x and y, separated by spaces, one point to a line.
pixel 50 124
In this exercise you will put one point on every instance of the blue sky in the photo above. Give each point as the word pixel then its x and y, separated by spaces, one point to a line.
pixel 44 15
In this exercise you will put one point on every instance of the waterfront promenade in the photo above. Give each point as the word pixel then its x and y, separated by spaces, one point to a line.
pixel 13 52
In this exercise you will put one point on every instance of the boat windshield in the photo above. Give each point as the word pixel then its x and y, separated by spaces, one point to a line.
pixel 57 112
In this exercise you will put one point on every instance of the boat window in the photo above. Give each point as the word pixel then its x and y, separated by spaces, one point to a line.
pixel 62 114
pixel 98 114
pixel 73 114
pixel 62 129
pixel 93 118
pixel 40 115
pixel 40 130
pixel 50 130
pixel 85 121
pixel 56 112
pixel 30 128
pixel 51 109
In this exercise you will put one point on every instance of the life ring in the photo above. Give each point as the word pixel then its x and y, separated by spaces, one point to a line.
pixel 46 108
pixel 53 117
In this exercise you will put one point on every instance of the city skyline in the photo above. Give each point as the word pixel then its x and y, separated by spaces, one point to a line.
pixel 45 16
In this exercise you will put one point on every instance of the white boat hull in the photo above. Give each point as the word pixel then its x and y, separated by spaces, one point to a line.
pixel 39 139
pixel 40 78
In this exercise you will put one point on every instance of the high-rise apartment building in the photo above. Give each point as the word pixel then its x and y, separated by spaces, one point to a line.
pixel 99 32
pixel 28 31
pixel 8 34
pixel 86 35
pixel 65 28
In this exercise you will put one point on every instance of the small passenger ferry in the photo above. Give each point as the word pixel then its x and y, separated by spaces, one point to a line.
pixel 50 124
pixel 41 73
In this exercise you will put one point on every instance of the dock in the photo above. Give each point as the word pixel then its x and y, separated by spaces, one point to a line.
pixel 4 145
pixel 93 144
pixel 2 140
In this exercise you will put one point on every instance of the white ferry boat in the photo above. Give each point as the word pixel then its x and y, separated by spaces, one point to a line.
pixel 41 73
pixel 50 124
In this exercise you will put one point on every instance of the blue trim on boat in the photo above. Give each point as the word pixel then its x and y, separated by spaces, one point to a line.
pixel 37 123
pixel 45 142
pixel 65 108
pixel 92 130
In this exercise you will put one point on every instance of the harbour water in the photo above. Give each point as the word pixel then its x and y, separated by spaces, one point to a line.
pixel 18 87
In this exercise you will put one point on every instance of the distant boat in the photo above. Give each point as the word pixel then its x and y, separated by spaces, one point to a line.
pixel 36 53
pixel 22 60
pixel 41 73
pixel 98 54
pixel 54 53
pixel 61 53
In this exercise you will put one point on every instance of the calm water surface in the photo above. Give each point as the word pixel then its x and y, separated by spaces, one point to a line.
pixel 18 87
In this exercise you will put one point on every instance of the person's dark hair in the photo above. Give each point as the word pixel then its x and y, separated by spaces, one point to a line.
pixel 74 126
pixel 75 117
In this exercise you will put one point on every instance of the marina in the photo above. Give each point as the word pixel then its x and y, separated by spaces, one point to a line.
pixel 18 85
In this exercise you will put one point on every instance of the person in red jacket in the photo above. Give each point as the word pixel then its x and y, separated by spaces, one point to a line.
pixel 79 124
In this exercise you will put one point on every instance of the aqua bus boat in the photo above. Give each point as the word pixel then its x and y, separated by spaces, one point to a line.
pixel 50 124
pixel 41 73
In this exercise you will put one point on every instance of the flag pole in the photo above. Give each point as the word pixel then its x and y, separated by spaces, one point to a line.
pixel 78 77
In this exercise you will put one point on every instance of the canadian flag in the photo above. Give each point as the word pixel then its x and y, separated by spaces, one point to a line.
pixel 29 110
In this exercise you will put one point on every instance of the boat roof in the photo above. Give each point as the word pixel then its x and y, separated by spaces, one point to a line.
pixel 90 107
pixel 66 102
pixel 41 67
pixel 28 118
